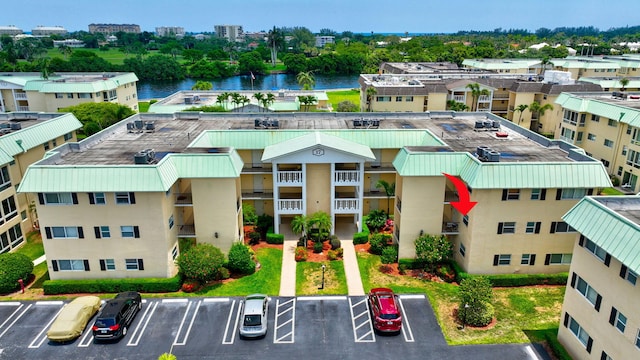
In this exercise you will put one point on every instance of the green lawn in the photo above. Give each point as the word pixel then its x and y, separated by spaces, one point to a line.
pixel 33 248
pixel 309 278
pixel 143 106
pixel 611 191
pixel 336 97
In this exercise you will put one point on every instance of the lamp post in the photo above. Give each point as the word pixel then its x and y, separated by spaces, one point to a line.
pixel 322 285
pixel 464 318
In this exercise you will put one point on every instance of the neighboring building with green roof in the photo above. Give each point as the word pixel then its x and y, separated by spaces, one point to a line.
pixel 149 180
pixel 31 92
pixel 600 317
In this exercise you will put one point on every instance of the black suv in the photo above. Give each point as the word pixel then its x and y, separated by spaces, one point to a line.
pixel 116 316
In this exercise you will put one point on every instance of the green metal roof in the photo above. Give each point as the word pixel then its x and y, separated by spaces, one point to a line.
pixel 609 229
pixel 313 139
pixel 613 111
pixel 500 64
pixel 138 178
pixel 18 80
pixel 520 175
pixel 64 84
pixel 260 139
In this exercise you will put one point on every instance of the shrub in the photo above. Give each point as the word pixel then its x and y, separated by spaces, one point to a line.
pixel 402 269
pixel 378 242
pixel 475 295
pixel 240 260
pixel 389 255
pixel 331 255
pixel 302 241
pixel 13 266
pixel 301 253
pixel 203 262
pixel 263 223
pixel 249 216
pixel 339 252
pixel 446 273
pixel 145 285
pixel 152 101
pixel 275 238
pixel 410 264
pixel 512 280
pixel 432 250
pixel 376 220
pixel 317 247
pixel 360 238
pixel 335 242
pixel 615 181
pixel 254 238
pixel 479 316
pixel 190 286
pixel 347 106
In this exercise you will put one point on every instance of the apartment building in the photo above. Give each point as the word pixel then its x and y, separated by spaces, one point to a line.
pixel 416 67
pixel 109 29
pixel 25 139
pixel 30 92
pixel 230 32
pixel 115 204
pixel 322 40
pixel 170 31
pixel 599 318
pixel 10 30
pixel 510 66
pixel 48 30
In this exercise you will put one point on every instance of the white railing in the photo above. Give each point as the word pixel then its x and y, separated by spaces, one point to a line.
pixel 23 108
pixel 346 206
pixel 346 177
pixel 458 98
pixel 290 177
pixel 484 98
pixel 20 96
pixel 291 206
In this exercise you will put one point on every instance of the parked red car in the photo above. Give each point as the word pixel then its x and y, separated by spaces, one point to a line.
pixel 385 310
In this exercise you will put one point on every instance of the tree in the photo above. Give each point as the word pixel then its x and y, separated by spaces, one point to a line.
pixel 521 108
pixel 347 106
pixel 203 262
pixel 623 82
pixel 538 109
pixel 259 97
pixel 244 100
pixel 456 106
pixel 475 296
pixel 65 50
pixel 432 250
pixel 476 92
pixel 371 92
pixel 202 85
pixel 299 225
pixel 319 225
pixel 307 101
pixel 240 260
pixel 223 99
pixel 389 190
pixel 103 114
pixel 13 267
pixel 306 80
pixel 376 220
pixel 275 39
pixel 251 62
pixel 270 99
pixel 192 55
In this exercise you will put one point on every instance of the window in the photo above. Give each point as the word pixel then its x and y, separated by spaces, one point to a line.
pixel 107 264
pixel 605 162
pixel 46 146
pixel 619 320
pixel 171 222
pixel 23 215
pixel 591 137
pixel 383 98
pixel 612 123
pixel 533 227
pixel 84 95
pixel 398 98
pixel 465 220
pixel 579 137
pixel 462 249
pixel 561 227
pixel 633 159
pixel 570 117
pixel 507 227
pixel 586 290
pixel 595 118
pixel 69 95
pixel 97 199
pixel 604 356
pixel 59 199
pixel 567 135
pixel 134 264
pixel 628 275
pixel 577 330
pixel 409 99
pixel 63 232
pixel 619 171
pixel 635 138
pixel 596 250
pixel 583 119
pixel 502 260
pixel 125 198
pixel 70 265
pixel 129 231
pixel 566 194
pixel 68 136
pixel 58 96
pixel 528 259
pixel 102 232
pixel 54 143
pixel 9 209
pixel 559 259
pixel 638 339
pixel 510 194
pixel 538 194
pixel 174 252
pixel 608 143
pixel 5 181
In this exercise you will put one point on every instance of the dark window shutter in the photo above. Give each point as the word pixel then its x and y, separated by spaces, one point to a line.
pixel 581 241
pixel 537 230
pixel 47 230
pixel 532 259
pixel 590 192
pixel 86 265
pixel 574 277
pixel 495 260
pixel 136 232
pixel 589 344
pixel 547 259
pixel 607 259
pixel 598 302
pixel 543 194
pixel 74 198
pixel 96 229
pixel 41 198
pixel 80 232
pixel 566 320
pixel 612 316
pixel 132 198
pixel 500 228
pixel 140 264
pixel 558 194
pixel 92 199
pixel 54 264
pixel 553 228
pixel 504 194
pixel 604 356
pixel 103 266
pixel 623 271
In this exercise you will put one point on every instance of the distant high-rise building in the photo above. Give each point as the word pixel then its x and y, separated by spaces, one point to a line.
pixel 108 29
pixel 10 30
pixel 169 30
pixel 48 30
pixel 230 32
pixel 322 40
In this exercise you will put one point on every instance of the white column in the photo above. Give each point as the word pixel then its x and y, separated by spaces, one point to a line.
pixel 333 197
pixel 1 102
pixel 276 198
pixel 360 196
pixel 15 103
pixel 304 188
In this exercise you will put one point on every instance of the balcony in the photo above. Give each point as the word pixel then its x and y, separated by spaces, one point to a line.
pixel 379 167
pixel 289 178
pixel 450 228
pixel 257 195
pixel 290 206
pixel 186 231
pixel 184 199
pixel 346 206
pixel 375 194
pixel 20 96
pixel 257 168
pixel 450 196
pixel 484 98
pixel 346 177
pixel 22 108
pixel 458 98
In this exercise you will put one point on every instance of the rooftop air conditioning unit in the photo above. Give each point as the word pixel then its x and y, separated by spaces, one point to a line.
pixel 16 126
pixel 482 151
pixel 493 156
pixel 140 158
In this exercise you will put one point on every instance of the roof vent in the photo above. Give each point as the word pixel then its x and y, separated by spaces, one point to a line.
pixel 482 150
pixel 144 157
pixel 492 156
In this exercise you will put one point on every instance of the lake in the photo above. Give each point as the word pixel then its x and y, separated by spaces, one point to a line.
pixel 272 82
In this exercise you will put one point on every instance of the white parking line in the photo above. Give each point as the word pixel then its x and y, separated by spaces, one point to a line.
pixel 133 341
pixel 531 353
pixel 165 301
pixel 315 298
pixel 9 303
pixel 35 343
pixel 208 300
pixel 364 323
pixel 193 317
pixel 49 303
pixel 233 330
pixel 16 319
pixel 88 332
pixel 406 328
pixel 291 322
pixel 407 297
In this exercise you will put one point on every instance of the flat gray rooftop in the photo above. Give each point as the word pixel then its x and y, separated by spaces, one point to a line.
pixel 632 99
pixel 627 206
pixel 118 145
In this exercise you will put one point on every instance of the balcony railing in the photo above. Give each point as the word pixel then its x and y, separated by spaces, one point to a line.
pixel 458 98
pixel 379 167
pixel 290 177
pixel 450 228
pixel 290 206
pixel 184 199
pixel 186 231
pixel 349 177
pixel 22 108
pixel 450 196
pixel 257 195
pixel 256 168
pixel 346 206
pixel 20 96
pixel 484 98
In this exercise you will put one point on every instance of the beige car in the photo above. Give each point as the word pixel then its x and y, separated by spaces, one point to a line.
pixel 73 318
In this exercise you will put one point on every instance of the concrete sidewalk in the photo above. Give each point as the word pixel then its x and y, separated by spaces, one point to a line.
pixel 39 260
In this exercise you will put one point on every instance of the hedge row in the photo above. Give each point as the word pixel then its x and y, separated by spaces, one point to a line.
pixel 510 280
pixel 146 285
pixel 275 238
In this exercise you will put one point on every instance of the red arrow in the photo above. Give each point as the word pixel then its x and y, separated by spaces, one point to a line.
pixel 464 205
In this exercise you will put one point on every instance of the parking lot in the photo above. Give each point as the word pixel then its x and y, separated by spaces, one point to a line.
pixel 196 328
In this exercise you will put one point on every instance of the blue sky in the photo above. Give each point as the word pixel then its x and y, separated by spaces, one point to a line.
pixel 415 16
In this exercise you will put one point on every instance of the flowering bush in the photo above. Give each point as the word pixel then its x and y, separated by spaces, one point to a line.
pixel 190 285
pixel 339 252
pixel 301 254
pixel 331 255
pixel 202 262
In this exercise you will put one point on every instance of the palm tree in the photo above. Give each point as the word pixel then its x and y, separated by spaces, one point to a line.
pixel 270 99
pixel 521 108
pixel 456 106
pixel 299 225
pixel 244 101
pixel 538 109
pixel 306 80
pixel 389 190
pixel 223 99
pixel 321 222
pixel 624 82
pixel 259 97
pixel 275 39
pixel 371 92
pixel 307 100
pixel 235 99
pixel 476 92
